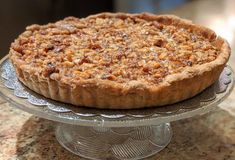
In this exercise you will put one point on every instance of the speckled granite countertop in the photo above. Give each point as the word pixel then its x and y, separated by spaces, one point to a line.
pixel 208 137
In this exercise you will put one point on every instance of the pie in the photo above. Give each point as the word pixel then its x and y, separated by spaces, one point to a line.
pixel 119 60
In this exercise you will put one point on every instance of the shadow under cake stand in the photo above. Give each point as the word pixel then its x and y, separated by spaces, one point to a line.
pixel 111 134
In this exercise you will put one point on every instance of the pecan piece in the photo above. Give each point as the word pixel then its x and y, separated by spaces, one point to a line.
pixel 18 49
pixel 85 59
pixel 160 43
pixel 49 48
pixel 94 46
pixel 50 68
pixel 189 63
pixel 157 75
pixel 109 77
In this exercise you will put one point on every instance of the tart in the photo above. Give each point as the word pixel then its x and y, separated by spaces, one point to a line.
pixel 118 60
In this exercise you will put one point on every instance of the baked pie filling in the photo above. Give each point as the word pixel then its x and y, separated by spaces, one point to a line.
pixel 120 48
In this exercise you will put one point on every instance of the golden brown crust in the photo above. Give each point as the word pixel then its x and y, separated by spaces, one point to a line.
pixel 133 94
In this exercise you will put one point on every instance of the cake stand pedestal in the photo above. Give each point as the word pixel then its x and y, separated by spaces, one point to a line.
pixel 114 143
pixel 111 134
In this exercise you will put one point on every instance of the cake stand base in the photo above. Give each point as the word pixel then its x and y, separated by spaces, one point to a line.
pixel 114 143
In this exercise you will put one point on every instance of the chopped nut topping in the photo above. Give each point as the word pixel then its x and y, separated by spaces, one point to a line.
pixel 115 49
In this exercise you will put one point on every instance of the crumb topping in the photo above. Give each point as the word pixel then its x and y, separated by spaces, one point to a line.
pixel 115 49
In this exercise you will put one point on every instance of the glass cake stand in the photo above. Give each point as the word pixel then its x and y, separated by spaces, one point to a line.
pixel 111 134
